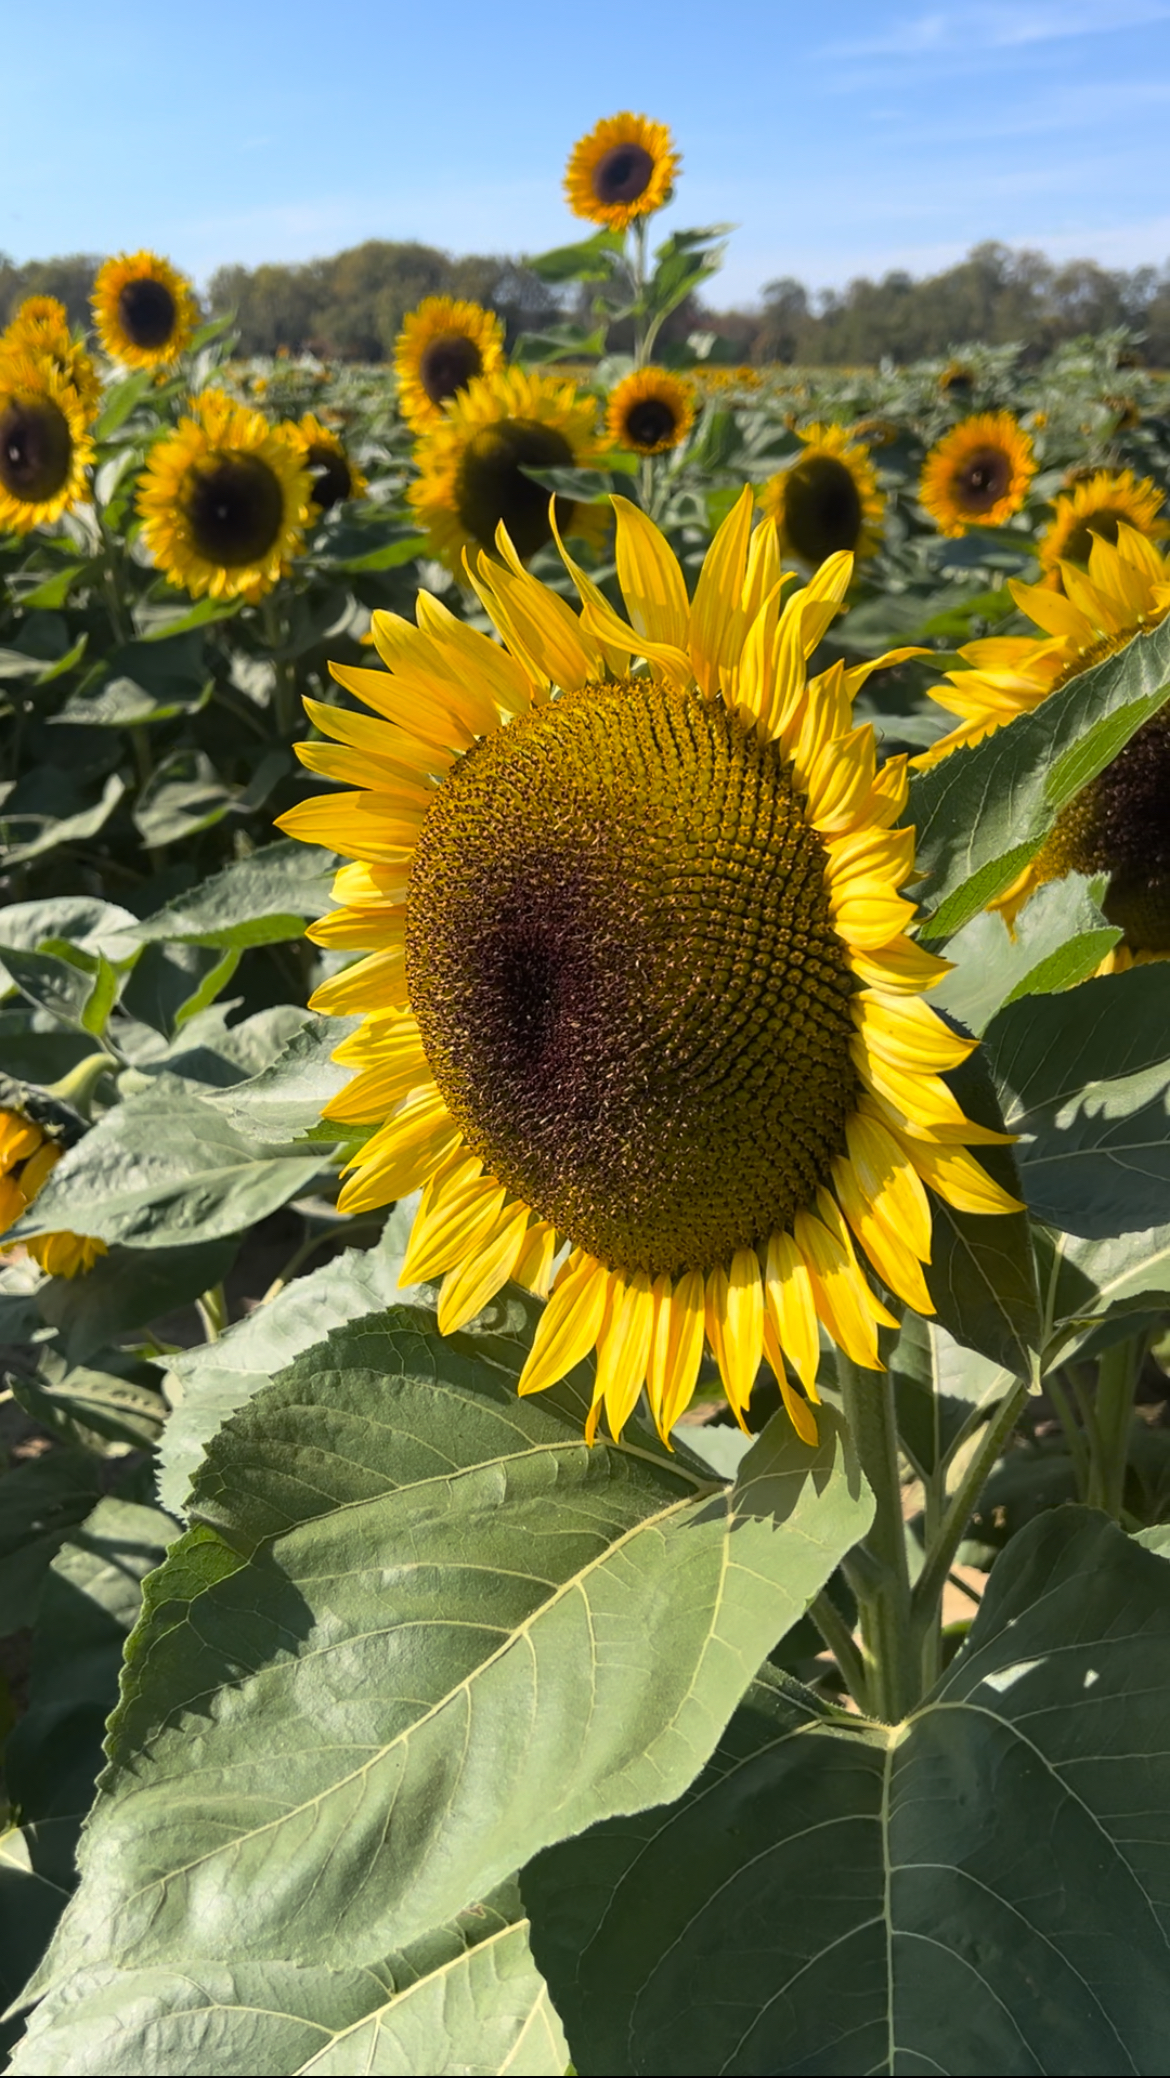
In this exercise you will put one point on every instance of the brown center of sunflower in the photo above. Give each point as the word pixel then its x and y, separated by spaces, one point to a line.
pixel 650 424
pixel 491 485
pixel 984 478
pixel 1101 525
pixel 622 173
pixel 822 508
pixel 36 449
pixel 448 363
pixel 146 312
pixel 330 473
pixel 1120 825
pixel 620 953
pixel 234 507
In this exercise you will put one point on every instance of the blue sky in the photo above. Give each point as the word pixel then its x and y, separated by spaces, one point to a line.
pixel 839 141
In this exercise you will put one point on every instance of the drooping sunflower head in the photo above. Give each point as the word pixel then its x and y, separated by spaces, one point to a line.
pixel 1095 510
pixel 45 446
pixel 651 411
pixel 144 310
pixel 224 500
pixel 638 983
pixel 443 346
pixel 473 461
pixel 40 332
pixel 978 474
pixel 34 1134
pixel 623 169
pixel 335 476
pixel 828 501
pixel 957 379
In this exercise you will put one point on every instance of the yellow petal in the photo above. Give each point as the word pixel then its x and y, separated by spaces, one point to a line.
pixel 365 768
pixel 677 1347
pixel 799 1412
pixel 920 1105
pixel 569 1326
pixel 539 627
pixel 533 1267
pixel 896 1264
pixel 900 965
pixel 652 583
pixel 623 1350
pixel 402 1155
pixel 791 1307
pixel 408 755
pixel 356 825
pixel 959 1179
pixel 376 983
pixel 468 1287
pixel 505 680
pixel 360 930
pixel 717 618
pixel 907 1032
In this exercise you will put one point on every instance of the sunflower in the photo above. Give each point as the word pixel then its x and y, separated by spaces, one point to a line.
pixel 1117 824
pixel 637 974
pixel 443 345
pixel 957 379
pixel 40 332
pixel 224 499
pixel 978 474
pixel 828 502
pixel 44 444
pixel 144 310
pixel 622 170
pixel 334 476
pixel 651 411
pixel 1095 510
pixel 34 1133
pixel 472 461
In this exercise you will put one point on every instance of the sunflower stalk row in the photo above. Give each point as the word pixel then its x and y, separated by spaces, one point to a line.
pixel 584 1189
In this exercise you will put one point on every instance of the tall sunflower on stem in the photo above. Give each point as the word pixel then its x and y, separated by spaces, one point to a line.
pixel 45 445
pixel 639 982
pixel 442 347
pixel 144 310
pixel 978 474
pixel 828 501
pixel 224 500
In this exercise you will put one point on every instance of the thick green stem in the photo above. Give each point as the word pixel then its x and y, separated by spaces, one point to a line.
pixel 1117 1377
pixel 284 690
pixel 940 1553
pixel 888 1641
pixel 1074 1435
pixel 843 1646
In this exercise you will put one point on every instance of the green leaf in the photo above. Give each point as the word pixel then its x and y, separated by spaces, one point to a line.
pixel 88 924
pixel 210 1383
pixel 983 813
pixel 981 1275
pixel 160 623
pixel 127 1288
pixel 1084 1078
pixel 109 1406
pixel 939 1385
pixel 1059 939
pixel 391 556
pixel 594 259
pixel 41 1501
pixel 161 1168
pixel 56 831
pixel 121 399
pixel 262 900
pixel 583 486
pixel 979 1889
pixel 466 1997
pixel 287 1098
pixel 452 1633
pixel 58 986
pixel 182 796
pixel 1087 1282
pixel 173 983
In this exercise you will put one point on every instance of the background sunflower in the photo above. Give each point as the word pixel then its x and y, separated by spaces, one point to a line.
pixel 471 464
pixel 624 169
pixel 978 474
pixel 650 411
pixel 443 346
pixel 828 502
pixel 224 500
pixel 144 310
pixel 45 447
pixel 1096 510
pixel 32 1141
pixel 334 474
pixel 40 331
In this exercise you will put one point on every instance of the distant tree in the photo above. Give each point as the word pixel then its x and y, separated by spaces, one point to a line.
pixel 71 280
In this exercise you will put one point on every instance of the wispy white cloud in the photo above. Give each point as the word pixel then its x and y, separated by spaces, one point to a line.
pixel 959 31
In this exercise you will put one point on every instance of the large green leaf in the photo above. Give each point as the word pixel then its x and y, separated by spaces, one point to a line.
pixel 287 1098
pixel 982 1888
pixel 1059 938
pixel 419 1630
pixel 466 1997
pixel 162 1168
pixel 981 814
pixel 1087 1282
pixel 258 901
pixel 981 1274
pixel 1084 1079
pixel 41 1501
pixel 127 1288
pixel 940 1385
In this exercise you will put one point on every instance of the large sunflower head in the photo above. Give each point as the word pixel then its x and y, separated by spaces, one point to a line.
pixel 334 475
pixel 224 500
pixel 443 346
pixel 1095 510
pixel 651 411
pixel 978 474
pixel 34 1134
pixel 827 502
pixel 44 444
pixel 1117 824
pixel 638 982
pixel 144 311
pixel 622 170
pixel 472 464
pixel 40 332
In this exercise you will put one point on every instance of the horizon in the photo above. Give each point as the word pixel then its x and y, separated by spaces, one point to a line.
pixel 910 134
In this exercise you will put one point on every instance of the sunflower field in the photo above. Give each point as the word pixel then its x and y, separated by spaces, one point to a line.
pixel 584 1192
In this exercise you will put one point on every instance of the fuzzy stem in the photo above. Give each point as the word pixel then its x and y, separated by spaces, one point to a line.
pixel 1117 1377
pixel 888 1642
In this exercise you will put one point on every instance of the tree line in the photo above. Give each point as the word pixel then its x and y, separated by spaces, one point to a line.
pixel 351 305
